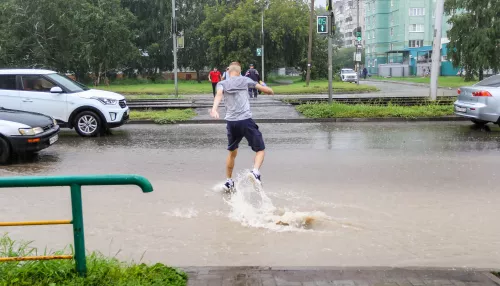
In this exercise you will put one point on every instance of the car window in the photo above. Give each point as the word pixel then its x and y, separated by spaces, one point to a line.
pixel 8 82
pixel 66 82
pixel 492 81
pixel 36 83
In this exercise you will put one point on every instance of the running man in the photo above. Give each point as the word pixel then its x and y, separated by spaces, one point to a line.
pixel 239 121
pixel 214 78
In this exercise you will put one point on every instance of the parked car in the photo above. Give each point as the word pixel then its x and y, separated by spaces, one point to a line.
pixel 348 75
pixel 25 132
pixel 91 112
pixel 480 102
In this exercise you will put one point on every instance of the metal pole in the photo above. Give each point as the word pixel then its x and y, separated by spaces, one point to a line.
pixel 358 50
pixel 174 37
pixel 263 44
pixel 78 233
pixel 330 52
pixel 309 51
pixel 436 49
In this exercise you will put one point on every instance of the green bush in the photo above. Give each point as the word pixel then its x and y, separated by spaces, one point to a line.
pixel 335 110
pixel 101 270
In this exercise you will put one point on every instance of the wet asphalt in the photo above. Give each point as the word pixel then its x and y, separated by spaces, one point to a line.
pixel 396 194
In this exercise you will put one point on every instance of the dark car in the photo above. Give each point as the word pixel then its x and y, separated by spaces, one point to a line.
pixel 25 132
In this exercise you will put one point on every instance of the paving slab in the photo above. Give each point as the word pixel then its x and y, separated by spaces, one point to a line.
pixel 337 277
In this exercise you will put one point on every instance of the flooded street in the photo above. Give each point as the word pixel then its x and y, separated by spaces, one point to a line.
pixel 348 194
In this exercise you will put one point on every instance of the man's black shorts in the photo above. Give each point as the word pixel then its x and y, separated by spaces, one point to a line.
pixel 247 128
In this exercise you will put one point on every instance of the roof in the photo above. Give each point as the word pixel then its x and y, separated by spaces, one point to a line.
pixel 25 71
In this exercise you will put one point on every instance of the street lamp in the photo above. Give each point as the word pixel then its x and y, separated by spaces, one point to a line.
pixel 266 6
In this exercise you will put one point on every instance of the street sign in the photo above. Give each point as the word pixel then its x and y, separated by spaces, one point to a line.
pixel 357 57
pixel 180 42
pixel 259 52
pixel 322 24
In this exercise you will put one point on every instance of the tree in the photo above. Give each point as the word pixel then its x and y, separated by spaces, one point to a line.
pixel 474 36
pixel 191 16
pixel 233 32
pixel 152 31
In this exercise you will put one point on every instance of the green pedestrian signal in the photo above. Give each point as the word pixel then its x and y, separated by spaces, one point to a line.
pixel 322 24
pixel 259 52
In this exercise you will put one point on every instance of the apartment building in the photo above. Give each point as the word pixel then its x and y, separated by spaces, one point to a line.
pixel 400 31
pixel 346 17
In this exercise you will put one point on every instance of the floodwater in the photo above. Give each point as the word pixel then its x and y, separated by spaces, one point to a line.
pixel 340 194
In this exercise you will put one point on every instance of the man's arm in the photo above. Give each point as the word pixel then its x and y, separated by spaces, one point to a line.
pixel 264 89
pixel 209 77
pixel 217 100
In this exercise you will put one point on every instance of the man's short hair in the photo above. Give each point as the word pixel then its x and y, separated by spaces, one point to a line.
pixel 235 67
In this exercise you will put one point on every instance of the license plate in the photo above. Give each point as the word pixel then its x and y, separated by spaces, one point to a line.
pixel 460 109
pixel 53 139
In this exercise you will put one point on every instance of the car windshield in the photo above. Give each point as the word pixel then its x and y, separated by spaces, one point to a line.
pixel 492 81
pixel 348 71
pixel 66 82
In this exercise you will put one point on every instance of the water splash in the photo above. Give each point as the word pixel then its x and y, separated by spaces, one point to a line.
pixel 251 206
pixel 183 213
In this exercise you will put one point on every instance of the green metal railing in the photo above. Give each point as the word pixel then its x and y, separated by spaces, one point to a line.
pixel 75 183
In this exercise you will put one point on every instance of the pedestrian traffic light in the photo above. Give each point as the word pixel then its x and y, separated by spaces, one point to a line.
pixel 322 22
pixel 358 34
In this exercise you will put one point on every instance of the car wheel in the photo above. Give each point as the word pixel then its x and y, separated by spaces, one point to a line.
pixel 479 122
pixel 5 151
pixel 88 124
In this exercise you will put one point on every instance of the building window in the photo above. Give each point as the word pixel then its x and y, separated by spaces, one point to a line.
pixel 392 31
pixel 392 3
pixel 415 43
pixel 392 19
pixel 373 34
pixel 416 27
pixel 391 47
pixel 417 11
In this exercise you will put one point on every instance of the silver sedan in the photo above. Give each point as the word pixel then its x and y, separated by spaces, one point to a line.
pixel 480 102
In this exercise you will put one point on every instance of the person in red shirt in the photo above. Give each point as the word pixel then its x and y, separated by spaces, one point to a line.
pixel 214 76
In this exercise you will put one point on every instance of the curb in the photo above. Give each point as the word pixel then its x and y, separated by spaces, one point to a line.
pixel 315 120
pixel 409 83
pixel 492 277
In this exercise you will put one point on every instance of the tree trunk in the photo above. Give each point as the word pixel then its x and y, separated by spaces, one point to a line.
pixel 198 76
pixel 481 73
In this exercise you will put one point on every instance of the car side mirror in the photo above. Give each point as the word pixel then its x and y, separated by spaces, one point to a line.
pixel 56 89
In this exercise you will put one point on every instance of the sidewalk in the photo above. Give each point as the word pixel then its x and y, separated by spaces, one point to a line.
pixel 262 276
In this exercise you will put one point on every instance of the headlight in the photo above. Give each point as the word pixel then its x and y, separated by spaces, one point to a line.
pixel 106 101
pixel 54 121
pixel 30 131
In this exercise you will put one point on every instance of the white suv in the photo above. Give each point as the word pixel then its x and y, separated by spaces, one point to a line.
pixel 348 75
pixel 91 112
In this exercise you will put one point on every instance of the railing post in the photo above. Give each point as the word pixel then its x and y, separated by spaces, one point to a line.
pixel 79 240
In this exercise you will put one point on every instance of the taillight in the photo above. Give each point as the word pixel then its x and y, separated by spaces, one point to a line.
pixel 459 91
pixel 481 93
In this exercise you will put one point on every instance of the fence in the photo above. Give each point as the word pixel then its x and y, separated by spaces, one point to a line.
pixel 75 183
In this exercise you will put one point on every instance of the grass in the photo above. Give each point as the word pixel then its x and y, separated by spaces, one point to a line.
pixel 101 270
pixel 168 116
pixel 321 86
pixel 152 96
pixel 166 90
pixel 443 81
pixel 325 110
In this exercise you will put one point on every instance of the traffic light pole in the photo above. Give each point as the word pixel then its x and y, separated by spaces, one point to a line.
pixel 174 37
pixel 330 52
pixel 358 49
